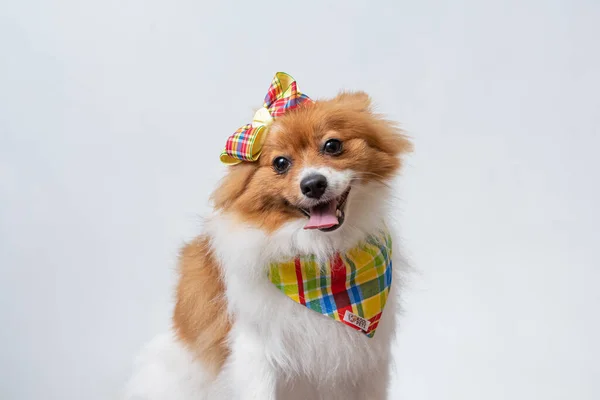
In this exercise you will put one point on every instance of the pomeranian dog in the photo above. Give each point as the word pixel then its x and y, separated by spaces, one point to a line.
pixel 289 292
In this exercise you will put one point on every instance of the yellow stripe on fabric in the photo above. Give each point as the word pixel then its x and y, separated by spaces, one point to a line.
pixel 287 272
pixel 371 307
pixel 366 270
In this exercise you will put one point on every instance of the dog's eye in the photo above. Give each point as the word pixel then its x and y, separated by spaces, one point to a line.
pixel 332 147
pixel 281 164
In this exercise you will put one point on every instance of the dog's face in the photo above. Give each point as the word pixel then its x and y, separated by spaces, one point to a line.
pixel 313 160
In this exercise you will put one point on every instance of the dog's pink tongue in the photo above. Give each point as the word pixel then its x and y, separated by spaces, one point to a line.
pixel 323 216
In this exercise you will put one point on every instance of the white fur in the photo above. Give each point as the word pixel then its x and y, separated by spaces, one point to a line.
pixel 281 350
pixel 337 183
pixel 165 370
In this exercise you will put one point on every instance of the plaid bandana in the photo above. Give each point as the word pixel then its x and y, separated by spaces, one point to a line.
pixel 351 288
pixel 246 143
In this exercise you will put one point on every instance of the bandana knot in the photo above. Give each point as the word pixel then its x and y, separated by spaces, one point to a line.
pixel 246 143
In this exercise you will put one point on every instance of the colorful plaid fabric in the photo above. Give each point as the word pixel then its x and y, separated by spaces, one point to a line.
pixel 351 288
pixel 246 143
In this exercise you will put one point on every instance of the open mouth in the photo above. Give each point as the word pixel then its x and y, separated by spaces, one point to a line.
pixel 327 216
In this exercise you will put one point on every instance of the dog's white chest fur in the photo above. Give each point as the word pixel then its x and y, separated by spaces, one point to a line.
pixel 279 349
pixel 301 345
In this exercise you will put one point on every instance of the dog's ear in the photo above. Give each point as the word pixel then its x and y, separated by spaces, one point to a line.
pixel 233 184
pixel 357 101
pixel 376 130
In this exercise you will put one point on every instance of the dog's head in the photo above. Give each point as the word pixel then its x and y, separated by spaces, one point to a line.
pixel 316 159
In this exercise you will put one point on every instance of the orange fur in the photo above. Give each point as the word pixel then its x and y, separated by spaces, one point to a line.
pixel 256 194
pixel 200 316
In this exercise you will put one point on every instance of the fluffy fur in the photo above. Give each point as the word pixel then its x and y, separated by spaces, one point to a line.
pixel 235 335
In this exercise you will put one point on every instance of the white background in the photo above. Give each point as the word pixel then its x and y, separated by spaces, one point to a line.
pixel 113 114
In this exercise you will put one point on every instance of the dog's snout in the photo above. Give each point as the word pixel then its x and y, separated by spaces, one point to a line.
pixel 313 186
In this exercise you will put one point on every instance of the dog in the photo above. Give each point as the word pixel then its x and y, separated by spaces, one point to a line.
pixel 311 198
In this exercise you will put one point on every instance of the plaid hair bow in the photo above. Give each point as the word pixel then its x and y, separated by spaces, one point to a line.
pixel 246 143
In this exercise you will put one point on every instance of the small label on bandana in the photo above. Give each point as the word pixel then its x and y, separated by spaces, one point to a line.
pixel 357 321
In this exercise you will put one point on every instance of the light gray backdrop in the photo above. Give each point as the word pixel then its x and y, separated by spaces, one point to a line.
pixel 113 114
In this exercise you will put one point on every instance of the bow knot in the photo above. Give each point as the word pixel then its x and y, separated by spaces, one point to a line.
pixel 246 143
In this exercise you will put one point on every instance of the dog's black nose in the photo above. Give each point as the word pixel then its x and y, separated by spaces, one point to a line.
pixel 313 186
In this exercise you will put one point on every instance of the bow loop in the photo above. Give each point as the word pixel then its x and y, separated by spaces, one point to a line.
pixel 246 143
pixel 282 85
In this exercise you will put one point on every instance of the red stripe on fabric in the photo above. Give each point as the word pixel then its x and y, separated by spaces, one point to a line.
pixel 300 281
pixel 338 286
pixel 271 94
pixel 374 323
pixel 229 145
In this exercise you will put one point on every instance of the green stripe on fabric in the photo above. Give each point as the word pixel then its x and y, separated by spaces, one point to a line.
pixel 372 287
pixel 274 275
pixel 309 270
pixel 290 289
pixel 324 278
pixel 352 266
pixel 359 307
